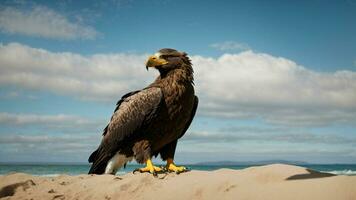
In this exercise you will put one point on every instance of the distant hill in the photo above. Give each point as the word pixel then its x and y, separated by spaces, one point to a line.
pixel 264 162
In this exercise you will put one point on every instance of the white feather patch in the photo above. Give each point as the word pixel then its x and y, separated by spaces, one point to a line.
pixel 157 55
pixel 116 162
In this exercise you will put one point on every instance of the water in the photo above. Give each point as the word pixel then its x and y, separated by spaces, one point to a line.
pixel 76 169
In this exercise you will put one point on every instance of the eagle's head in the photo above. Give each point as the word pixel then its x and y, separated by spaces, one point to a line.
pixel 166 60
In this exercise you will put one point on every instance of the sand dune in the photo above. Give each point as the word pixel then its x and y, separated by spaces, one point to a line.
pixel 275 181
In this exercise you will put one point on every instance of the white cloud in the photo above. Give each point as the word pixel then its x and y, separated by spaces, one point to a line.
pixel 10 95
pixel 276 137
pixel 311 147
pixel 21 119
pixel 98 77
pixel 53 122
pixel 16 95
pixel 26 139
pixel 243 85
pixel 47 148
pixel 257 85
pixel 230 46
pixel 65 147
pixel 41 21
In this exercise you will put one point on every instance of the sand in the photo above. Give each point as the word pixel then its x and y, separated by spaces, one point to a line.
pixel 277 181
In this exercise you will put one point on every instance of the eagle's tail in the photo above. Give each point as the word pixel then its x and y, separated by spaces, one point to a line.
pixel 108 164
pixel 93 156
pixel 99 161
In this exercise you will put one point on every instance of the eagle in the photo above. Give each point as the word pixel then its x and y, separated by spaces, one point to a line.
pixel 150 121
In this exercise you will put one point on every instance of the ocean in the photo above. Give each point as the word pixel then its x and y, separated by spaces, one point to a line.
pixel 76 169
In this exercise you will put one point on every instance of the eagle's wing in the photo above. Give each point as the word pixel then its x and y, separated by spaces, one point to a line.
pixel 194 110
pixel 169 150
pixel 133 112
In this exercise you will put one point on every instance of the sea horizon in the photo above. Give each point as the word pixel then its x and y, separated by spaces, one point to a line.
pixel 76 168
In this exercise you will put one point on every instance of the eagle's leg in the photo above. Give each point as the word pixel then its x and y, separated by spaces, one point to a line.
pixel 167 153
pixel 149 168
pixel 171 167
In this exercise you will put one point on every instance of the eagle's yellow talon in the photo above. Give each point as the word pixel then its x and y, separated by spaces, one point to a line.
pixel 171 167
pixel 174 168
pixel 149 168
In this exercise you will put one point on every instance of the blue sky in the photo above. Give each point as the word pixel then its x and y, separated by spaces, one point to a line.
pixel 276 80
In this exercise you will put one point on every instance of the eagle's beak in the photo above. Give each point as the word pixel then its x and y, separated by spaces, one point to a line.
pixel 154 61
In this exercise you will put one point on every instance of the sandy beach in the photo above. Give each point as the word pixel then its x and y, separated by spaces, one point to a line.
pixel 277 181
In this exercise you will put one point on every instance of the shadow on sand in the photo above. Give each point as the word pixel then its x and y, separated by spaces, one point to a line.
pixel 9 190
pixel 310 175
